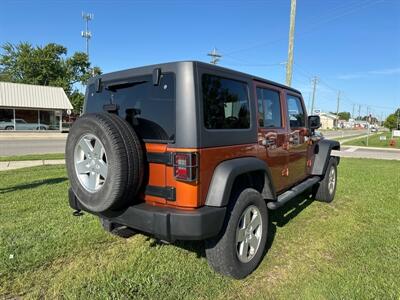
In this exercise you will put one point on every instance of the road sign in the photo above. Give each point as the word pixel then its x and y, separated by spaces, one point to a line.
pixel 396 133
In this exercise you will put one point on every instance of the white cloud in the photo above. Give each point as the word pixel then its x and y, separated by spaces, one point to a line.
pixel 358 75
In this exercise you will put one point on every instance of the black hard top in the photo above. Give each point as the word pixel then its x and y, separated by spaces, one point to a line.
pixel 122 73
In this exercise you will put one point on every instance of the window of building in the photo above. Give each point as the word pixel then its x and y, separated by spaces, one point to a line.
pixel 48 120
pixel 295 112
pixel 6 119
pixel 269 108
pixel 225 103
pixel 26 119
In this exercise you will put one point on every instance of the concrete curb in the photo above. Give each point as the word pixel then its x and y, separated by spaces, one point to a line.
pixel 12 165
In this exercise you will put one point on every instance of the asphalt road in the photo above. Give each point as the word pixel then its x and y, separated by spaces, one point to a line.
pixel 33 146
pixel 57 145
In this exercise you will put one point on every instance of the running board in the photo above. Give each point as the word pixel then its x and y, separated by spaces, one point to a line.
pixel 295 191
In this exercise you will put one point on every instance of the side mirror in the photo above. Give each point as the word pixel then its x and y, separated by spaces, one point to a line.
pixel 314 122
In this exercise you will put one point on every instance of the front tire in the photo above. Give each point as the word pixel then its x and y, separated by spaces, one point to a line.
pixel 239 248
pixel 325 191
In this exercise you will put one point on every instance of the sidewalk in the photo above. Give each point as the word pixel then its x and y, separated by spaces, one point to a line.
pixel 371 148
pixel 368 152
pixel 12 165
pixel 43 135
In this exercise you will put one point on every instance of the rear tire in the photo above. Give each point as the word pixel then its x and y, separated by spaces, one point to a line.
pixel 325 190
pixel 239 248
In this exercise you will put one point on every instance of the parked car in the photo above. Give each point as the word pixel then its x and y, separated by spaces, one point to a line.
pixel 192 151
pixel 21 124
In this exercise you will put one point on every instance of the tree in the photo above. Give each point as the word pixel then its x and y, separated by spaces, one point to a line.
pixel 47 65
pixel 392 121
pixel 344 115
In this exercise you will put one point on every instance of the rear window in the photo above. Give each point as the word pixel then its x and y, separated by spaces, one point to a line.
pixel 225 103
pixel 149 108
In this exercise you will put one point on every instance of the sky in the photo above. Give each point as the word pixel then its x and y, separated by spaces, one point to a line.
pixel 351 46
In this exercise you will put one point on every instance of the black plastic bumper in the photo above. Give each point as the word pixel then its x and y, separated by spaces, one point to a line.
pixel 165 223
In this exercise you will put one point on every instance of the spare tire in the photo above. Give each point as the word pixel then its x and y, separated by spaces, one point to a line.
pixel 104 160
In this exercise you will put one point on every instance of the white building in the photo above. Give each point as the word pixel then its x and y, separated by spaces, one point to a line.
pixel 328 121
pixel 31 107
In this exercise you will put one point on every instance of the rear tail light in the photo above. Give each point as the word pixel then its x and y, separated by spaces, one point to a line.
pixel 185 166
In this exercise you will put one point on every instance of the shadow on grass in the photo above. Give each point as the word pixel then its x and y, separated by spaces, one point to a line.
pixel 32 185
pixel 277 218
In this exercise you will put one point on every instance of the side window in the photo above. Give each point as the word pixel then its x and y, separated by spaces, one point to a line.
pixel 225 102
pixel 295 112
pixel 269 108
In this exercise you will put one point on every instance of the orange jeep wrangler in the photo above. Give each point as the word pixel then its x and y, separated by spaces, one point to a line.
pixel 192 151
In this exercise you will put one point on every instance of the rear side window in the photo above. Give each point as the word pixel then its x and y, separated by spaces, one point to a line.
pixel 295 112
pixel 269 108
pixel 149 108
pixel 225 103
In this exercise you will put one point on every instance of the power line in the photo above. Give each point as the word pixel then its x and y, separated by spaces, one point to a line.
pixel 325 19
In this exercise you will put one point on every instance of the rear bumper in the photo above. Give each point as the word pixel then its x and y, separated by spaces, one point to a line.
pixel 163 222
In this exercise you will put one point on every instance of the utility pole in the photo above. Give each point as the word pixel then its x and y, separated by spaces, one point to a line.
pixel 215 56
pixel 352 114
pixel 289 65
pixel 314 81
pixel 359 111
pixel 368 124
pixel 337 109
pixel 86 34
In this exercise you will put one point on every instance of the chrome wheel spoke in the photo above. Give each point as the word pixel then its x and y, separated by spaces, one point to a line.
pixel 247 218
pixel 93 180
pixel 240 235
pixel 255 222
pixel 103 169
pixel 254 242
pixel 98 149
pixel 85 146
pixel 244 250
pixel 82 167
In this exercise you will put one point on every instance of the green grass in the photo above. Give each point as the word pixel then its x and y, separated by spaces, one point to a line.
pixel 346 137
pixel 349 249
pixel 33 157
pixel 374 141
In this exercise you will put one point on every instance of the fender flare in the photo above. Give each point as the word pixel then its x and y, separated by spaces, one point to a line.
pixel 227 171
pixel 322 152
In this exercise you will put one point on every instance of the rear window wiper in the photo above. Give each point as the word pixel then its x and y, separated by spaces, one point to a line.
pixel 122 85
